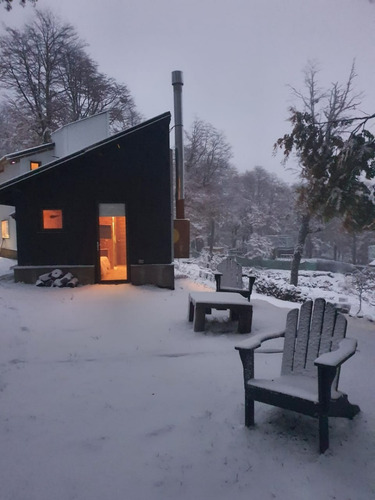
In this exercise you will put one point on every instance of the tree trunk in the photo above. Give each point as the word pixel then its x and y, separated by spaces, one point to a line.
pixel 298 249
pixel 354 248
pixel 212 238
pixel 309 248
pixel 234 236
pixel 335 252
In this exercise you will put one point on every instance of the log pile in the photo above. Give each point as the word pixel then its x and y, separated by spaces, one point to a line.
pixel 57 278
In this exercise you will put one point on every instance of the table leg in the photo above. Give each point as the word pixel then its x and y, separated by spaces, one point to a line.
pixel 245 320
pixel 233 315
pixel 191 310
pixel 199 318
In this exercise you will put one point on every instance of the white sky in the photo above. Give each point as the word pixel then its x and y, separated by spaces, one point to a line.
pixel 237 56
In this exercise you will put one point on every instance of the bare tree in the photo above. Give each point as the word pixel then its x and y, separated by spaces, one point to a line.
pixel 14 131
pixel 208 167
pixel 208 153
pixel 9 3
pixel 29 69
pixel 362 281
pixel 50 79
pixel 86 92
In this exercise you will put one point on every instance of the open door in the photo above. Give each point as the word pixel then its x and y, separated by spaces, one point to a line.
pixel 112 242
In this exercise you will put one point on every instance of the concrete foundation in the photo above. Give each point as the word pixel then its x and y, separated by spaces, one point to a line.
pixel 30 274
pixel 161 275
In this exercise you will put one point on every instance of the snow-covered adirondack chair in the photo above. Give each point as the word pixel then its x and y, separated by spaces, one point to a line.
pixel 314 349
pixel 229 278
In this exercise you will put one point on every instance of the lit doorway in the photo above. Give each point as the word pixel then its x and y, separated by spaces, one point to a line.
pixel 112 242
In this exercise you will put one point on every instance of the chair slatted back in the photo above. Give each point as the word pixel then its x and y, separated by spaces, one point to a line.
pixel 232 273
pixel 289 342
pixel 311 331
pixel 317 321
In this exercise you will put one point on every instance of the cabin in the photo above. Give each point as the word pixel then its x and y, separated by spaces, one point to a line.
pixel 102 212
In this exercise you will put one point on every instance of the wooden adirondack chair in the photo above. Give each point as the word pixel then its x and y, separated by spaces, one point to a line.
pixel 229 278
pixel 314 350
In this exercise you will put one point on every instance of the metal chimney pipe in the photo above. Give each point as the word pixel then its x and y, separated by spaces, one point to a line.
pixel 177 82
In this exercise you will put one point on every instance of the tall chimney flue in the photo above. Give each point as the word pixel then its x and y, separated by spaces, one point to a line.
pixel 177 82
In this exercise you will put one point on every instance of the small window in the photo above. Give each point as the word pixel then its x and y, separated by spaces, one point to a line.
pixel 52 219
pixel 35 164
pixel 5 229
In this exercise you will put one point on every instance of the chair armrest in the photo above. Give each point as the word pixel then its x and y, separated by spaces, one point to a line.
pixel 251 279
pixel 246 352
pixel 346 349
pixel 217 277
pixel 328 365
pixel 255 341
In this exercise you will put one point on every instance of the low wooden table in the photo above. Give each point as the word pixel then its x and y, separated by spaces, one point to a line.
pixel 201 303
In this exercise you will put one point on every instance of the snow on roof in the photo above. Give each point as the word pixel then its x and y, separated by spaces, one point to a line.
pixel 28 151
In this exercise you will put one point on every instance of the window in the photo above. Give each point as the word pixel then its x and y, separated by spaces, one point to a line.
pixel 52 219
pixel 35 164
pixel 5 229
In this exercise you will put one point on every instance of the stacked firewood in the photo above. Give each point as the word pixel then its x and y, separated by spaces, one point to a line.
pixel 58 279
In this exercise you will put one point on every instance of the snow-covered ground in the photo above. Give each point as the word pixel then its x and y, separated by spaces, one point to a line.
pixel 107 393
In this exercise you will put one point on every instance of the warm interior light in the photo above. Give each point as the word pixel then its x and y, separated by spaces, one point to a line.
pixel 112 240
pixel 5 229
pixel 34 165
pixel 52 219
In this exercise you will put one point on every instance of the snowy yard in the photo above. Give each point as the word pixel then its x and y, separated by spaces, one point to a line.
pixel 107 393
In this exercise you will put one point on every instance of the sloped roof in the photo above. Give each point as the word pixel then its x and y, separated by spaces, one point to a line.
pixel 56 163
pixel 26 152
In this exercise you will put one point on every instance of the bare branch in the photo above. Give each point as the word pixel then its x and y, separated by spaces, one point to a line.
pixel 9 3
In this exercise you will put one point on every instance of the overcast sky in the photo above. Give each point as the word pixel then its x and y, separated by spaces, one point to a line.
pixel 237 58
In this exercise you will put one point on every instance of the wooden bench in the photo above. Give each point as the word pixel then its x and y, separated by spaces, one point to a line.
pixel 314 349
pixel 201 303
pixel 229 278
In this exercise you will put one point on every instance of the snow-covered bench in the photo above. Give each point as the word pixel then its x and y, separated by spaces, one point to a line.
pixel 229 278
pixel 314 349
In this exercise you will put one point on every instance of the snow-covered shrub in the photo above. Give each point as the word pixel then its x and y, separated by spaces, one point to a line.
pixel 258 246
pixel 279 289
pixel 205 260
pixel 361 282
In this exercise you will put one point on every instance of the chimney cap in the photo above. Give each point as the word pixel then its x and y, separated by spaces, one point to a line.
pixel 177 78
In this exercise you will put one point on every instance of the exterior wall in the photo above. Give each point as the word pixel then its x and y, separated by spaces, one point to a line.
pixel 8 246
pixel 132 168
pixel 153 274
pixel 22 165
pixel 81 134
